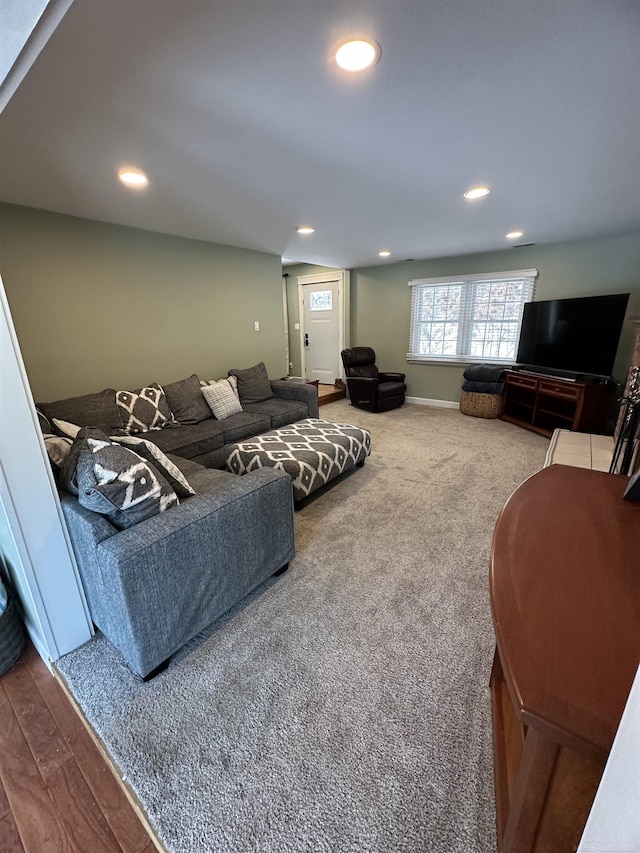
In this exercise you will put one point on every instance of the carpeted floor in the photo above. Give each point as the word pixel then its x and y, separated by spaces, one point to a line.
pixel 344 706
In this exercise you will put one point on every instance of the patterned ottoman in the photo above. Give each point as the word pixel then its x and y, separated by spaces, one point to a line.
pixel 311 451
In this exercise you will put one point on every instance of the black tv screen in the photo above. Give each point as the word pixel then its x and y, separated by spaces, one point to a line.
pixel 574 335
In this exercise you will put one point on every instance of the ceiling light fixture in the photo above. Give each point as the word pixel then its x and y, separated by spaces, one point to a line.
pixel 476 192
pixel 305 229
pixel 384 253
pixel 513 235
pixel 357 54
pixel 133 178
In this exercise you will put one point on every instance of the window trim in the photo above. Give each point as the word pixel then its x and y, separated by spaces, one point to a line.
pixel 468 279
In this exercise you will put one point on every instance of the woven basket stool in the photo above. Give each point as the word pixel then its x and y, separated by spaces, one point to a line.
pixel 480 405
pixel 11 637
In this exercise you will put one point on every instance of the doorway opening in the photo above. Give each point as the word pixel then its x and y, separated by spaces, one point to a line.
pixel 323 300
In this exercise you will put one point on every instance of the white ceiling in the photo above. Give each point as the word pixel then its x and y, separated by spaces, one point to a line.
pixel 247 130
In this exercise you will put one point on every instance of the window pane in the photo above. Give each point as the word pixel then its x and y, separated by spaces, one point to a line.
pixel 474 320
pixel 321 300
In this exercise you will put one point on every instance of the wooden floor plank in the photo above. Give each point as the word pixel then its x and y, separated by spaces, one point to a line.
pixel 38 726
pixel 105 788
pixel 4 802
pixel 81 816
pixel 9 836
pixel 76 805
pixel 35 816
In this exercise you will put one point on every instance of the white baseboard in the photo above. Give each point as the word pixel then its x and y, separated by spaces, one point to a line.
pixel 425 401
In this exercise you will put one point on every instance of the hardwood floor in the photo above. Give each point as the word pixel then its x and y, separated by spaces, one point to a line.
pixel 57 792
pixel 328 394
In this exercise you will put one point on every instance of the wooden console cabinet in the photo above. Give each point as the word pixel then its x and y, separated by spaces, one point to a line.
pixel 565 595
pixel 542 403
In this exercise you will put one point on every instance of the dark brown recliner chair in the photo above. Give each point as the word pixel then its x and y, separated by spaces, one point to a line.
pixel 369 388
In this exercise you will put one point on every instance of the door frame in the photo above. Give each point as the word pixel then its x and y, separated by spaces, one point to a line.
pixel 344 284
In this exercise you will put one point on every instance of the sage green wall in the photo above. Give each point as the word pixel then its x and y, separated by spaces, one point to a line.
pixel 98 305
pixel 380 298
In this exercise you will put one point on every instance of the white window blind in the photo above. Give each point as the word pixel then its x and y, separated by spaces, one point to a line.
pixel 470 317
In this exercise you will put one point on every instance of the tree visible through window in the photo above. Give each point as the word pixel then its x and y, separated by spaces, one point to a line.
pixel 469 318
pixel 320 300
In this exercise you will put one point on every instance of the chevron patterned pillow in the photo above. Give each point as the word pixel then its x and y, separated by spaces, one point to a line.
pixel 144 409
pixel 114 481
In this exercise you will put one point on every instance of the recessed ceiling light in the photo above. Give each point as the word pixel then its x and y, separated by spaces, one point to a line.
pixel 384 253
pixel 357 54
pixel 513 235
pixel 133 178
pixel 305 229
pixel 477 192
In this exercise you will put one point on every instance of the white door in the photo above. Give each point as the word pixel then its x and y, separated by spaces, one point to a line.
pixel 321 331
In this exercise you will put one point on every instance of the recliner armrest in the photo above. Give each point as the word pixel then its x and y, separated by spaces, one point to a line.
pixel 362 389
pixel 391 377
pixel 369 382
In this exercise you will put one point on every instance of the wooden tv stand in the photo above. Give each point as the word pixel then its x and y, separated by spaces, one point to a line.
pixel 543 403
pixel 565 594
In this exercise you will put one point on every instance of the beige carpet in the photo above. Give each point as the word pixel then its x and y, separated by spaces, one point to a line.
pixel 345 705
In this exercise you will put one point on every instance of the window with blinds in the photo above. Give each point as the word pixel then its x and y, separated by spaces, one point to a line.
pixel 469 318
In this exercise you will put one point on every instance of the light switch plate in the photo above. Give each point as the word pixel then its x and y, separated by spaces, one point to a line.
pixel 256 326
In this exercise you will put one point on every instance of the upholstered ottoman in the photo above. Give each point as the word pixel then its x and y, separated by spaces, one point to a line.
pixel 311 451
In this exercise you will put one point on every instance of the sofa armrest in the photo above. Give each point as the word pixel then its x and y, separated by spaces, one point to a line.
pixel 157 584
pixel 391 377
pixel 300 391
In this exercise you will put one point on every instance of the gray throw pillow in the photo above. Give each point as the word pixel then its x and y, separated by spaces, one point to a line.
pixel 57 448
pixel 186 401
pixel 88 410
pixel 44 423
pixel 114 481
pixel 253 383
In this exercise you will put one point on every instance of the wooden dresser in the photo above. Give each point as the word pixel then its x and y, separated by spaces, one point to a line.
pixel 543 403
pixel 565 594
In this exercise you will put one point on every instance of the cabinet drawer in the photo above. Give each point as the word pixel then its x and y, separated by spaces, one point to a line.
pixel 559 389
pixel 522 381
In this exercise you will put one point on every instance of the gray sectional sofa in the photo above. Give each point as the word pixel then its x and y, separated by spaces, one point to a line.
pixel 205 441
pixel 154 585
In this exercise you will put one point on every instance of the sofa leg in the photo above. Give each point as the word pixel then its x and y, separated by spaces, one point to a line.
pixel 160 668
pixel 281 570
pixel 360 463
pixel 298 503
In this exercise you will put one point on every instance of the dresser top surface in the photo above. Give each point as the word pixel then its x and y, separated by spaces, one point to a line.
pixel 565 594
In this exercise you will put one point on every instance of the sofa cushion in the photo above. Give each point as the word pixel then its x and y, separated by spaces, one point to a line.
pixel 244 425
pixel 186 401
pixel 189 440
pixel 152 453
pixel 87 410
pixel 114 481
pixel 253 383
pixel 221 400
pixel 207 480
pixel 144 409
pixel 281 412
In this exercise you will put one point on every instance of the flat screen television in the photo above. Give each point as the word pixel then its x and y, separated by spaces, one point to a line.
pixel 572 336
